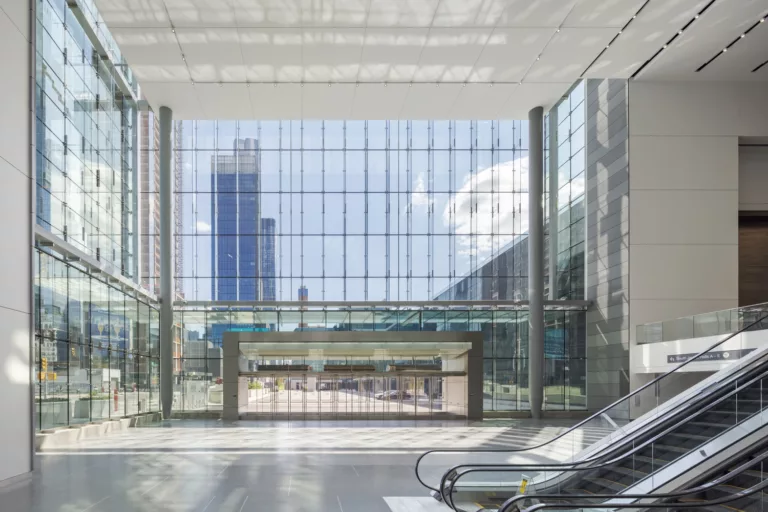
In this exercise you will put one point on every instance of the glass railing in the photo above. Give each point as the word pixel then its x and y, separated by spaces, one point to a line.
pixel 586 439
pixel 716 323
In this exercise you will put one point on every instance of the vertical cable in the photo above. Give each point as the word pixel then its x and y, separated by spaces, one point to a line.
pixel 409 216
pixel 430 209
pixel 301 205
pixel 280 202
pixel 387 213
pixel 344 214
pixel 322 196
pixel 365 177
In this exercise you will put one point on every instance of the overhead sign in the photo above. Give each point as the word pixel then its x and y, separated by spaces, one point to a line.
pixel 721 355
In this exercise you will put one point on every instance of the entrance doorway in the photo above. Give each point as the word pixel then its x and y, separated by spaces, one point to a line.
pixel 320 395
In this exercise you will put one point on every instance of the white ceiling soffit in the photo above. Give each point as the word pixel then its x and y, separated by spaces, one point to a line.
pixel 722 24
pixel 374 59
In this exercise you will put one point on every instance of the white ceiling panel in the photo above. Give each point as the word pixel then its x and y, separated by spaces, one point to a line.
pixel 391 54
pixel 180 97
pixel 428 101
pixel 603 13
pixel 418 42
pixel 655 25
pixel 147 13
pixel 569 53
pixel 375 101
pixel 450 54
pixel 541 13
pixel 281 102
pixel 267 13
pixel 230 101
pixel 334 13
pixel 743 57
pixel 469 13
pixel 323 102
pixel 203 47
pixel 721 24
pixel 481 101
pixel 201 13
pixel 527 96
pixel 332 55
pixel 509 53
pixel 401 13
pixel 153 53
pixel 272 54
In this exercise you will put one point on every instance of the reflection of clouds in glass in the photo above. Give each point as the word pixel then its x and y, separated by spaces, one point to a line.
pixel 419 196
pixel 203 227
pixel 492 204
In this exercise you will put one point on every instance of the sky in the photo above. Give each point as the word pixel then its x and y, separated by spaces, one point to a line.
pixel 463 182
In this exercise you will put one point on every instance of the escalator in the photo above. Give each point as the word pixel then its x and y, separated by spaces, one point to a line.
pixel 638 445
pixel 637 462
pixel 737 484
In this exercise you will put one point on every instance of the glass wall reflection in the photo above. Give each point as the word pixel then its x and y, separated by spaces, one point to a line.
pixel 96 347
pixel 198 365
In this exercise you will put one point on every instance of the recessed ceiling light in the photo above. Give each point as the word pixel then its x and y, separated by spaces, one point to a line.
pixel 620 31
pixel 329 84
pixel 410 84
pixel 247 84
pixel 173 30
pixel 696 17
pixel 538 58
pixel 385 84
pixel 725 49
pixel 762 20
pixel 664 47
pixel 274 84
pixel 558 30
pixel 743 35
pixel 679 32
pixel 635 16
pixel 465 84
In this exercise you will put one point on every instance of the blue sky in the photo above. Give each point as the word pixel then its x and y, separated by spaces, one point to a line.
pixel 472 199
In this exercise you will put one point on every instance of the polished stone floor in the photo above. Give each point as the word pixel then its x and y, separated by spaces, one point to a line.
pixel 188 465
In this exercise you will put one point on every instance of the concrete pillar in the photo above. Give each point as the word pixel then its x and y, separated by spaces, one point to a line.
pixel 166 263
pixel 535 261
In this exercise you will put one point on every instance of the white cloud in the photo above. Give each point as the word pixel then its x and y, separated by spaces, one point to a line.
pixel 492 204
pixel 419 196
pixel 203 227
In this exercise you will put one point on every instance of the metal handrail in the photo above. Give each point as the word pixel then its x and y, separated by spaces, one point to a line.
pixel 585 421
pixel 505 507
pixel 491 468
pixel 697 504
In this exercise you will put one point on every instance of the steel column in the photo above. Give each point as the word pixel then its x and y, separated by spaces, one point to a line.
pixel 166 260
pixel 535 261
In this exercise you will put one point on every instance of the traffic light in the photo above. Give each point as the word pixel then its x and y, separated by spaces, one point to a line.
pixel 44 364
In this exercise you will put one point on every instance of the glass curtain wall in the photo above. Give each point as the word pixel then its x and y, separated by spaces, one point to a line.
pixel 198 370
pixel 86 134
pixel 565 161
pixel 348 210
pixel 96 347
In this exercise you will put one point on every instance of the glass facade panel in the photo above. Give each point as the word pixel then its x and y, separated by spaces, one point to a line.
pixel 93 348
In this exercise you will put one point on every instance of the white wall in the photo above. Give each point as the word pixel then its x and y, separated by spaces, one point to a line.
pixel 753 178
pixel 684 190
pixel 15 212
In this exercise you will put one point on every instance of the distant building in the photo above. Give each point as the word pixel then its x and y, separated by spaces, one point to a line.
pixel 268 288
pixel 236 222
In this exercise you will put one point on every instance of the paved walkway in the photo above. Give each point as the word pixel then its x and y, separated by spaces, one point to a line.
pixel 187 465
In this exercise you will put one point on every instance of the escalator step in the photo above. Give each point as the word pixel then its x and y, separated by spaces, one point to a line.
pixel 604 482
pixel 686 435
pixel 712 508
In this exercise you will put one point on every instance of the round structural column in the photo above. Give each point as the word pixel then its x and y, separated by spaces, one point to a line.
pixel 536 260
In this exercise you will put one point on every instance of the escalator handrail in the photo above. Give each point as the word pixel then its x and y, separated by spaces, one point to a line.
pixel 697 504
pixel 590 418
pixel 501 468
pixel 505 507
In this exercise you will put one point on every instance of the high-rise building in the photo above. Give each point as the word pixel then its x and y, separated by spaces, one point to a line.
pixel 149 203
pixel 236 222
pixel 267 236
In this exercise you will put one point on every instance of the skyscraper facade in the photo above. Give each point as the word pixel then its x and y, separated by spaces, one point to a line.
pixel 267 237
pixel 235 257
